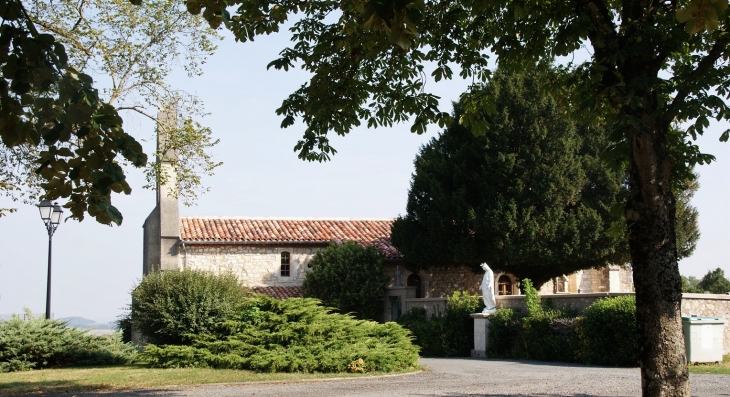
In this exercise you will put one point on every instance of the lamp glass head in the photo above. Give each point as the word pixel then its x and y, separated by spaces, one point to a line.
pixel 45 207
pixel 57 213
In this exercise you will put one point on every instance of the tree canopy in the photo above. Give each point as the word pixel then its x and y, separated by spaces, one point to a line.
pixel 47 104
pixel 531 196
pixel 132 50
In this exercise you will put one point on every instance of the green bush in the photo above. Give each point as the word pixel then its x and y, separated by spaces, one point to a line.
pixel 608 332
pixel 292 335
pixel 505 326
pixel 450 335
pixel 39 343
pixel 549 337
pixel 349 278
pixel 543 334
pixel 172 307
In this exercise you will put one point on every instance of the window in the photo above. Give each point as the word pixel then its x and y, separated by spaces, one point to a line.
pixel 504 285
pixel 285 267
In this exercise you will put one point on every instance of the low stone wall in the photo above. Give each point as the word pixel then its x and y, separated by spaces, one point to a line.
pixel 432 306
pixel 574 302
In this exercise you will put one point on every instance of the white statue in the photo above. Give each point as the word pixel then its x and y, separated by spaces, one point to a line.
pixel 490 305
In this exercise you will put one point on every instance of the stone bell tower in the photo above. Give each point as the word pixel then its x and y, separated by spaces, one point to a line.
pixel 162 227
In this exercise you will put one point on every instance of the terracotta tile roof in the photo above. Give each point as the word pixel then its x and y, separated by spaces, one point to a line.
pixel 279 292
pixel 287 231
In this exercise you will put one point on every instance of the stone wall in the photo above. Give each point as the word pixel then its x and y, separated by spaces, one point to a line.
pixel 439 282
pixel 253 265
pixel 432 306
pixel 444 281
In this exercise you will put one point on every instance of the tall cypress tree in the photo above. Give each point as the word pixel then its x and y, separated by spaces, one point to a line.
pixel 531 196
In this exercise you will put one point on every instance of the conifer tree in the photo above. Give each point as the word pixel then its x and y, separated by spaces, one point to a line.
pixel 531 196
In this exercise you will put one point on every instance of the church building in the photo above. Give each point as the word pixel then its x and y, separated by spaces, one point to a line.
pixel 270 255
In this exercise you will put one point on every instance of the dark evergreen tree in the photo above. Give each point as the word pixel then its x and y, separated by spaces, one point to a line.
pixel 531 196
pixel 686 226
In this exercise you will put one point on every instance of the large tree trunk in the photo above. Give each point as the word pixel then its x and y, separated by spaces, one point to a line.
pixel 650 213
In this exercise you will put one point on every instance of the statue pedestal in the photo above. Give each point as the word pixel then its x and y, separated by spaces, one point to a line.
pixel 481 333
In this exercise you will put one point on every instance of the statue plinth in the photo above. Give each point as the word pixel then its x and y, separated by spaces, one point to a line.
pixel 481 334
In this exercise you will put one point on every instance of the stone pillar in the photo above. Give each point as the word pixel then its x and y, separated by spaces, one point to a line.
pixel 162 227
pixel 481 334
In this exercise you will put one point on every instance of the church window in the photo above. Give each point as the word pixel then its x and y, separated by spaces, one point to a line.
pixel 285 267
pixel 414 280
pixel 504 285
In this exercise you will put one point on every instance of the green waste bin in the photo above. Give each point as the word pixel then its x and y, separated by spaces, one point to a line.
pixel 703 338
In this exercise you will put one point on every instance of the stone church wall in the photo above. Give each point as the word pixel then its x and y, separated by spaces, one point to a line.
pixel 439 282
pixel 253 265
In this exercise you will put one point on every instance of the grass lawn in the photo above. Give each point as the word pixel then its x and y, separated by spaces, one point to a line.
pixel 722 368
pixel 134 376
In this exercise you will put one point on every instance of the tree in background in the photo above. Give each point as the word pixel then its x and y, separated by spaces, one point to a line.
pixel 714 282
pixel 650 64
pixel 348 277
pixel 132 50
pixel 687 228
pixel 690 284
pixel 530 196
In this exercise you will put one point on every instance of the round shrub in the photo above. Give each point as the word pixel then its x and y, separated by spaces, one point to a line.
pixel 292 335
pixel 349 278
pixel 171 307
pixel 608 332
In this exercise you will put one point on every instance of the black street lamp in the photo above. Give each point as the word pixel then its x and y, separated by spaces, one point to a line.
pixel 51 215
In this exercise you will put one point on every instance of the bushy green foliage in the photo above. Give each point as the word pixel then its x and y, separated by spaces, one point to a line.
pixel 605 334
pixel 547 337
pixel 505 326
pixel 608 332
pixel 449 335
pixel 691 285
pixel 715 282
pixel 172 307
pixel 532 298
pixel 292 335
pixel 349 278
pixel 39 343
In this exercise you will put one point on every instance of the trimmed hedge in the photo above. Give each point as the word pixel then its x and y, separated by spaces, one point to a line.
pixel 292 335
pixel 39 343
pixel 608 333
pixel 450 335
pixel 604 335
pixel 173 307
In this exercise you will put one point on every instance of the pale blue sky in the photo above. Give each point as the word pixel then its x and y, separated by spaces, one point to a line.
pixel 95 266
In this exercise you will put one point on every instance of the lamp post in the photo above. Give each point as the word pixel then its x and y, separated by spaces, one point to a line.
pixel 51 214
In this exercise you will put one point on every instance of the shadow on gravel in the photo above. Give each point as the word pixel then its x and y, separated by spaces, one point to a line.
pixel 62 389
pixel 506 395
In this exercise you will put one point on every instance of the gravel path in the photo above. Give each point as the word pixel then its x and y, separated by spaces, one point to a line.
pixel 453 378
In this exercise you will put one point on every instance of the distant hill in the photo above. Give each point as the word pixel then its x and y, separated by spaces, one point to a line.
pixel 85 323
pixel 76 322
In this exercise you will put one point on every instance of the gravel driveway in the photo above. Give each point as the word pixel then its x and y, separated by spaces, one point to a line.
pixel 454 378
